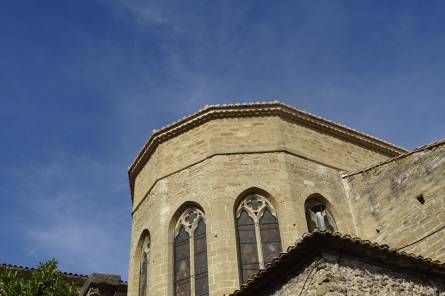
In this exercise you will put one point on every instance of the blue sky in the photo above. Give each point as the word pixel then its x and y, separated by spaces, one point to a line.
pixel 84 82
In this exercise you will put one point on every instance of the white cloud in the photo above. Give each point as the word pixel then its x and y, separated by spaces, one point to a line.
pixel 143 11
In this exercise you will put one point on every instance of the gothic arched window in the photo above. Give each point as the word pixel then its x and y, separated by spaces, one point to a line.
pixel 318 216
pixel 190 255
pixel 143 269
pixel 258 234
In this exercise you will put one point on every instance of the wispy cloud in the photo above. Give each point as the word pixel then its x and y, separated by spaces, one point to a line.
pixel 80 211
pixel 329 59
pixel 109 71
pixel 186 70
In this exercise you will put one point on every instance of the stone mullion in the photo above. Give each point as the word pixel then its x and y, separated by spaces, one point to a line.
pixel 192 265
pixel 258 245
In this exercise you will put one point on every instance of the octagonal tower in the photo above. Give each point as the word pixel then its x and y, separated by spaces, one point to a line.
pixel 217 194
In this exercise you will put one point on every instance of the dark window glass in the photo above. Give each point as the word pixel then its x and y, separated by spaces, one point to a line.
pixel 247 246
pixel 200 250
pixel 182 263
pixel 270 236
pixel 143 275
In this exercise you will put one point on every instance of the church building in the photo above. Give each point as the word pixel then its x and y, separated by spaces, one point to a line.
pixel 265 199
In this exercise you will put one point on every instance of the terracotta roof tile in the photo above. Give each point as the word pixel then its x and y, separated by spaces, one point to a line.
pixel 313 243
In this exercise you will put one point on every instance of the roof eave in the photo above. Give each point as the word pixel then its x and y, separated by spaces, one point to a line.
pixel 315 243
pixel 260 109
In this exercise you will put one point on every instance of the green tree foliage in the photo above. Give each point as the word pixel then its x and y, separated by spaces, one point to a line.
pixel 46 280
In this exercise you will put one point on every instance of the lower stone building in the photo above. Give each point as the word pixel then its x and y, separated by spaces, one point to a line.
pixel 329 264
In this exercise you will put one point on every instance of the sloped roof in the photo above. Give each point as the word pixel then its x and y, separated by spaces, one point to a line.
pixel 76 278
pixel 26 268
pixel 258 109
pixel 81 281
pixel 311 245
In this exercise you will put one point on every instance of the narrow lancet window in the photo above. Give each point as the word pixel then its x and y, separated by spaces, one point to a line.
pixel 318 216
pixel 144 262
pixel 190 252
pixel 257 233
pixel 200 250
pixel 247 246
pixel 270 236
pixel 182 263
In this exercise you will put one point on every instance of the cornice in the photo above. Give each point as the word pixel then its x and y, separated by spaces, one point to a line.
pixel 259 109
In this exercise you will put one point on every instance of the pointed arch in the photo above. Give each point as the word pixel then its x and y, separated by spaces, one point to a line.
pixel 318 213
pixel 190 271
pixel 257 231
pixel 255 190
pixel 143 253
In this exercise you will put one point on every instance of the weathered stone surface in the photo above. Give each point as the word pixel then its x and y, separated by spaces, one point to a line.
pixel 349 276
pixel 386 210
pixel 321 249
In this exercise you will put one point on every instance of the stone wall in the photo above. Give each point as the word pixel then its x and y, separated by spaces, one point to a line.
pixel 248 135
pixel 387 207
pixel 349 276
pixel 215 185
pixel 212 165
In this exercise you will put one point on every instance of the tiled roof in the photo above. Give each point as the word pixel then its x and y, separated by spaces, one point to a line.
pixel 311 245
pixel 75 276
pixel 258 109
pixel 26 268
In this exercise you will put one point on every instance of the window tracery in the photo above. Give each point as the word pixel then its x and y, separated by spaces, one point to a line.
pixel 258 234
pixel 190 254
